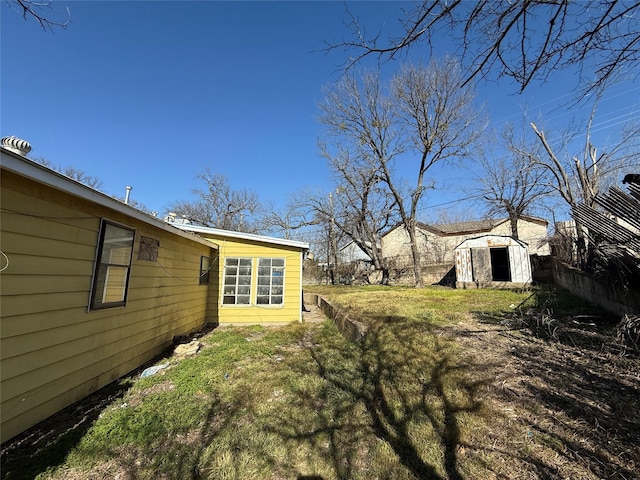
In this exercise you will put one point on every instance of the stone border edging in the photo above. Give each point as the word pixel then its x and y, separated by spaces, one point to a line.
pixel 351 329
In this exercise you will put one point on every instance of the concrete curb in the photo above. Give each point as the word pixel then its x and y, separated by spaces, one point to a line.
pixel 352 329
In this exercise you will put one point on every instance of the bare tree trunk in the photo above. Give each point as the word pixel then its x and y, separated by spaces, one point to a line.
pixel 415 254
pixel 582 247
pixel 385 276
pixel 513 220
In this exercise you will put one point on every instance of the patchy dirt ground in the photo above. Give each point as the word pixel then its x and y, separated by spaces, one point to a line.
pixel 312 314
pixel 568 404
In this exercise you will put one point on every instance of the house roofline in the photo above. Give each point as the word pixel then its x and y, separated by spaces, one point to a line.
pixel 243 236
pixel 494 223
pixel 529 218
pixel 430 228
pixel 436 231
pixel 442 233
pixel 27 168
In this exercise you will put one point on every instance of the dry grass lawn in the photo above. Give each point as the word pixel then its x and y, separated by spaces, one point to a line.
pixel 446 384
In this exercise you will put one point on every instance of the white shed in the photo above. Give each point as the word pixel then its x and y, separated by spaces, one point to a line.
pixel 492 261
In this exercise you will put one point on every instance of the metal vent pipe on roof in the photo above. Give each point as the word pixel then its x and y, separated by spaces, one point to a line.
pixel 16 145
pixel 126 195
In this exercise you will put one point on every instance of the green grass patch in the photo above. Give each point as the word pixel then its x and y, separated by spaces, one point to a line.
pixel 435 305
pixel 301 400
pixel 288 402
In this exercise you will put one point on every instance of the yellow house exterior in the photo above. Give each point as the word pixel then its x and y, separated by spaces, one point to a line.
pixel 90 289
pixel 259 277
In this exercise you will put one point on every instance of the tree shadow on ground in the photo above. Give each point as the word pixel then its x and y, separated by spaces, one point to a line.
pixel 166 453
pixel 568 382
pixel 399 404
pixel 400 385
pixel 593 412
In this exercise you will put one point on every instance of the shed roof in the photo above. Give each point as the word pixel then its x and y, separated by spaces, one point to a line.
pixel 491 241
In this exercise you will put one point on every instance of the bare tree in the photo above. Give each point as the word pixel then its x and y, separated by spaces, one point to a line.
pixel 425 117
pixel 363 207
pixel 81 176
pixel 219 206
pixel 578 178
pixel 71 172
pixel 338 221
pixel 41 11
pixel 523 40
pixel 440 122
pixel 362 126
pixel 291 222
pixel 512 183
pixel 318 209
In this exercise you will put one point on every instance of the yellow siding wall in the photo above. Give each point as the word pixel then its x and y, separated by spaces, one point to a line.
pixel 291 310
pixel 53 350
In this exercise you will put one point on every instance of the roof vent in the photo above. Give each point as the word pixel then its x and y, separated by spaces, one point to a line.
pixel 21 147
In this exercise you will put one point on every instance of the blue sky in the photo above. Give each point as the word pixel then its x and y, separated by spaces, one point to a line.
pixel 149 94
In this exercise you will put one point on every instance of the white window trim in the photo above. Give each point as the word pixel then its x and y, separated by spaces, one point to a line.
pixel 251 284
pixel 253 292
pixel 93 305
pixel 284 276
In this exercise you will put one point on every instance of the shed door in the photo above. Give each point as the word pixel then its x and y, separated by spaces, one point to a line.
pixel 500 271
pixel 463 265
pixel 520 264
pixel 481 264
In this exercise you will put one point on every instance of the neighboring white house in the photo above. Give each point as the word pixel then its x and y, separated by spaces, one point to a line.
pixel 351 252
pixel 437 242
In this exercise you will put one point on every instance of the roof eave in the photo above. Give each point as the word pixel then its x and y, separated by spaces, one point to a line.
pixel 243 236
pixel 27 168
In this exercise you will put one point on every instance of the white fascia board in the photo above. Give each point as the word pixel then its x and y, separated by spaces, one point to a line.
pixel 243 236
pixel 24 167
